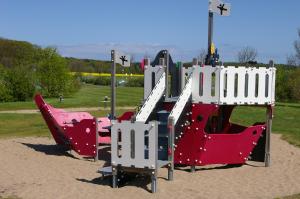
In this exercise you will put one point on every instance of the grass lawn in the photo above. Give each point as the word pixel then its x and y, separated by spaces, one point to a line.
pixel 286 121
pixel 88 96
pixel 24 125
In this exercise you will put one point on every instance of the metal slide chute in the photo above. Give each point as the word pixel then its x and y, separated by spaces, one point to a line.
pixel 183 99
pixel 152 100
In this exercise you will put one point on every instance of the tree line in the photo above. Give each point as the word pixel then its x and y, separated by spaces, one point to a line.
pixel 26 69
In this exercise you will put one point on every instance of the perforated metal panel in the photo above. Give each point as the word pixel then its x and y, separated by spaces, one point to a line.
pixel 233 85
pixel 130 150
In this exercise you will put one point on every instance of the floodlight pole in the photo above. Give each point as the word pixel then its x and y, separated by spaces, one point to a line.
pixel 113 85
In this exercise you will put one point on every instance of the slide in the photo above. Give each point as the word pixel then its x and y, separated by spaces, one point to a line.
pixel 183 99
pixel 152 100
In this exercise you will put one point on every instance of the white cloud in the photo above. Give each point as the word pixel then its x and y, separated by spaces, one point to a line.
pixel 102 51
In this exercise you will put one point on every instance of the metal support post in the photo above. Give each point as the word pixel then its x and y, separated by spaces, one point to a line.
pixel 167 73
pixel 97 141
pixel 153 182
pixel 113 85
pixel 195 61
pixel 210 36
pixel 193 169
pixel 269 117
pixel 171 148
pixel 114 177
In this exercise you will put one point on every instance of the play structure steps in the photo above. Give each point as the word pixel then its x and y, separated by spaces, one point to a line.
pixel 105 171
pixel 152 100
pixel 163 134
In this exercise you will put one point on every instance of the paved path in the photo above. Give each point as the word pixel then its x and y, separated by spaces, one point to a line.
pixel 79 109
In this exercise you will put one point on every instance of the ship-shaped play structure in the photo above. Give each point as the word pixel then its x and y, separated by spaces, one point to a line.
pixel 184 119
pixel 189 125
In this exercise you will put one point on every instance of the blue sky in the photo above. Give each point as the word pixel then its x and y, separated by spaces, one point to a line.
pixel 89 29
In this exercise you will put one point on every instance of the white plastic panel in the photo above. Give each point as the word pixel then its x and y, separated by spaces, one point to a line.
pixel 182 101
pixel 234 85
pixel 148 78
pixel 152 100
pixel 185 73
pixel 205 80
pixel 129 151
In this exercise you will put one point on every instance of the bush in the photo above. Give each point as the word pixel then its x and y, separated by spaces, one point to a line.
pixel 19 83
pixel 294 84
pixel 104 81
pixel 4 91
pixel 135 82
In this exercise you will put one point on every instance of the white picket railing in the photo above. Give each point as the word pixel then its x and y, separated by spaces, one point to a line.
pixel 129 147
pixel 233 85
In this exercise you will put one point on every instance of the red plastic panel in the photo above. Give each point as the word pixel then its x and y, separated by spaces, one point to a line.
pixel 231 146
pixel 76 130
pixel 82 137
pixel 126 116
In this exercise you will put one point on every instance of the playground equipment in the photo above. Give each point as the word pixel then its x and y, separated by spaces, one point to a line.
pixel 192 129
pixel 184 119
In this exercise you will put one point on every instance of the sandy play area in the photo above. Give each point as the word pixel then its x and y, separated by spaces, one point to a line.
pixel 37 168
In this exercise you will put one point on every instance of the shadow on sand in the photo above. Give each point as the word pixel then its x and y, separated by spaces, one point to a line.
pixel 56 150
pixel 128 179
pixel 208 168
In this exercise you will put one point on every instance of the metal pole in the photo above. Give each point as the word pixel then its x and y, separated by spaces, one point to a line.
pixel 114 177
pixel 171 127
pixel 210 36
pixel 167 74
pixel 113 85
pixel 269 117
pixel 153 182
pixel 97 140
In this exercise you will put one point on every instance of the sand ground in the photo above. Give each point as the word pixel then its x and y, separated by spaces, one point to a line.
pixel 37 168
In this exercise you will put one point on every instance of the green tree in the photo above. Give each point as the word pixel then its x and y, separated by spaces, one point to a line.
pixel 4 91
pixel 53 78
pixel 294 84
pixel 20 82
